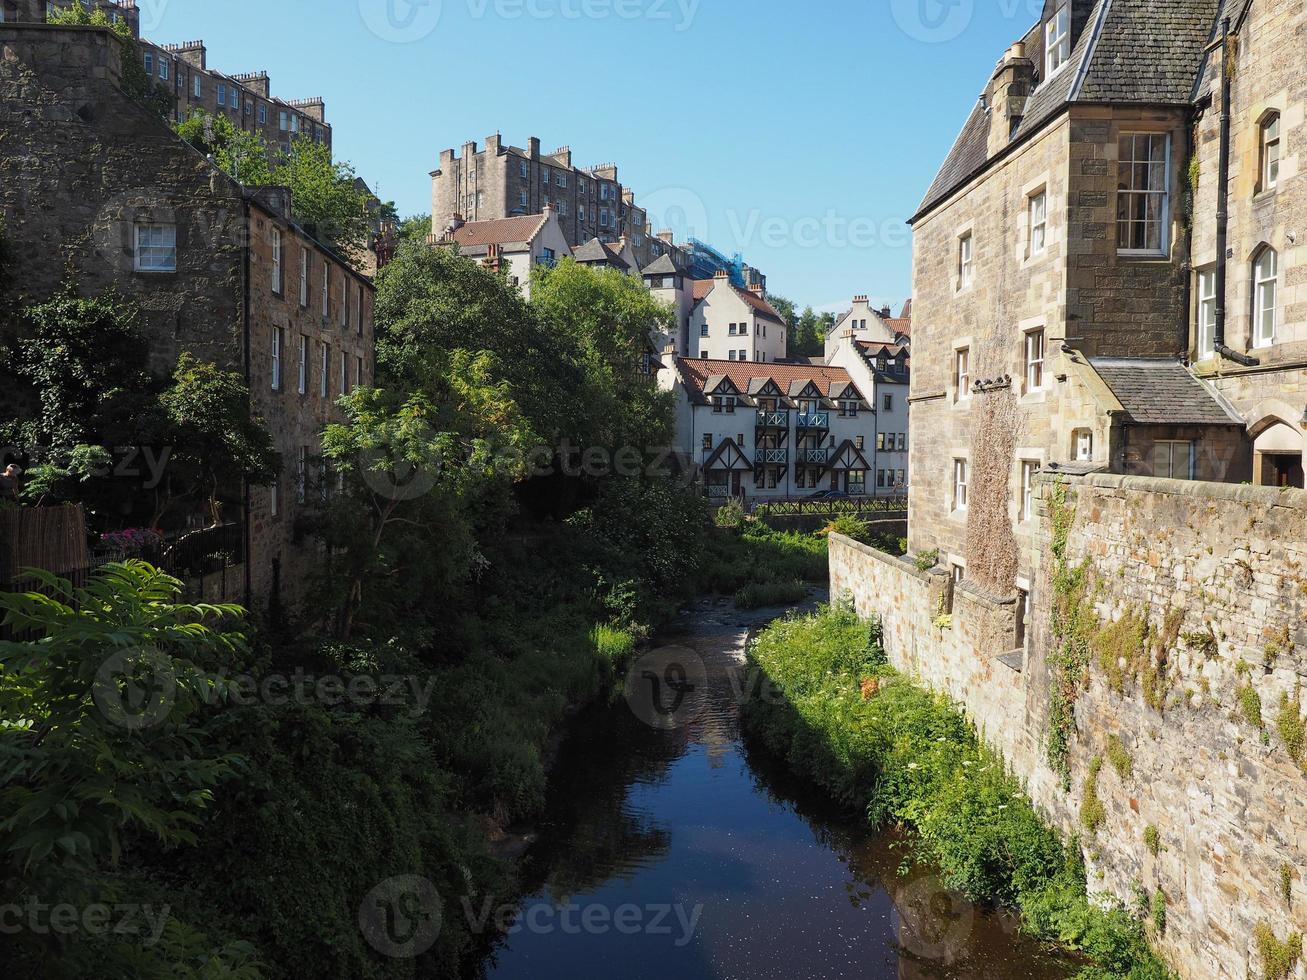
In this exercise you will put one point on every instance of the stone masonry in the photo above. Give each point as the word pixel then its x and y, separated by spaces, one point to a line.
pixel 1220 574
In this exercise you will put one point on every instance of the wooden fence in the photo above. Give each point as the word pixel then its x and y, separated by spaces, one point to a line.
pixel 832 507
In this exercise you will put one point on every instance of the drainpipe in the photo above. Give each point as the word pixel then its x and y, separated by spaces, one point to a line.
pixel 1223 207
pixel 245 316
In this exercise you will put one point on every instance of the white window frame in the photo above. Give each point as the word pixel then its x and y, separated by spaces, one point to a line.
pixel 1057 41
pixel 359 302
pixel 966 260
pixel 344 373
pixel 163 69
pixel 263 115
pixel 1037 210
pixel 197 85
pixel 1036 352
pixel 1130 191
pixel 304 365
pixel 1083 447
pixel 1269 137
pixel 155 247
pixel 278 338
pixel 962 373
pixel 304 276
pixel 960 477
pixel 324 365
pixel 358 370
pixel 326 289
pixel 1206 337
pixel 1029 469
pixel 1264 287
pixel 274 497
pixel 278 285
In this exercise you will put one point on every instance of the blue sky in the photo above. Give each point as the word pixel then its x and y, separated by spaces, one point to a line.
pixel 801 134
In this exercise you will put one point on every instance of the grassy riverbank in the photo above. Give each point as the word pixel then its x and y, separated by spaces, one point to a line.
pixel 879 744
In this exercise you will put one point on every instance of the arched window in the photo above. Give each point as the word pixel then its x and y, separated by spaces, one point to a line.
pixel 1266 271
pixel 1269 174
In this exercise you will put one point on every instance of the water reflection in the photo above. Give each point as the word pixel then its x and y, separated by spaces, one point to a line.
pixel 695 856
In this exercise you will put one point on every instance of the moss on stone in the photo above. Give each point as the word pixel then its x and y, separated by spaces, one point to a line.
pixel 1119 756
pixel 1092 811
pixel 1290 724
pixel 1279 959
pixel 1152 840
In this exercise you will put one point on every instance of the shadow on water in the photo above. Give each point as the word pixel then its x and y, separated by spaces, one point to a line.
pixel 672 849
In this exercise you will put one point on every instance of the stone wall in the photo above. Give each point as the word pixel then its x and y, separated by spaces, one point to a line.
pixel 1219 573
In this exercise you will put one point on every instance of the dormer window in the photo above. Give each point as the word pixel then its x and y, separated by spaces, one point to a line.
pixel 1057 41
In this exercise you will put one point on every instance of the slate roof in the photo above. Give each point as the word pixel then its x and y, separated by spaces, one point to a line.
pixel 1162 392
pixel 1128 51
pixel 661 266
pixel 596 251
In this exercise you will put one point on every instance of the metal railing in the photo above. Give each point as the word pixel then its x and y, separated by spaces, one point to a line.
pixel 838 505
pixel 773 420
pixel 813 420
pixel 820 456
pixel 772 457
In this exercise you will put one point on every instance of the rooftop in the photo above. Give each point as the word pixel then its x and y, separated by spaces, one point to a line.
pixel 1162 392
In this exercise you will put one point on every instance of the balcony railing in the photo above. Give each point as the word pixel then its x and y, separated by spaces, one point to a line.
pixel 772 457
pixel 718 492
pixel 813 420
pixel 773 420
pixel 818 456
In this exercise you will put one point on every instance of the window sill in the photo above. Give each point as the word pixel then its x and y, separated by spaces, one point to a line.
pixel 155 272
pixel 1135 255
pixel 1036 397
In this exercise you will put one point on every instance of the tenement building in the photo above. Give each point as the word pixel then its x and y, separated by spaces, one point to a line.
pixel 1107 524
pixel 498 180
pixel 183 71
pixel 1050 326
pixel 97 191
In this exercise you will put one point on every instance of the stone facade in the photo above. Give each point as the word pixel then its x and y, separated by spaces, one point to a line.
pixel 72 136
pixel 1220 574
pixel 322 325
pixel 501 181
pixel 1267 86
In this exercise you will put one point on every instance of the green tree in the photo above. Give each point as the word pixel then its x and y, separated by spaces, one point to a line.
pixel 415 228
pixel 419 464
pixel 106 740
pixel 325 194
pixel 238 153
pixel 785 308
pixel 216 443
pixel 810 333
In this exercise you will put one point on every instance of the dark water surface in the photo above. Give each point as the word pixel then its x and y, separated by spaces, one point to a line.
pixel 676 852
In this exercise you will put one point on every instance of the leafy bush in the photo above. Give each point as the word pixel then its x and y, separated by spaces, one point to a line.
pixel 730 516
pixel 851 526
pixel 760 595
pixel 908 757
pixel 611 643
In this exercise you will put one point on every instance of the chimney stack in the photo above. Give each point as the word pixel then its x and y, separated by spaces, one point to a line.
pixel 533 148
pixel 1006 96
pixel 859 299
pixel 721 274
pixel 667 235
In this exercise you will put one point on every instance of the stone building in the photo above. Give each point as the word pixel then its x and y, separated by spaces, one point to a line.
pixel 1251 296
pixel 1049 327
pixel 771 431
pixel 513 245
pixel 183 70
pixel 97 190
pixel 498 180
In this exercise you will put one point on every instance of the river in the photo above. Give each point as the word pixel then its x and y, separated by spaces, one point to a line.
pixel 670 849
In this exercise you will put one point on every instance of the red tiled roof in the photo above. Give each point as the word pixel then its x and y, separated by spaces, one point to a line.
pixel 900 325
pixel 702 287
pixel 907 310
pixel 696 372
pixel 499 231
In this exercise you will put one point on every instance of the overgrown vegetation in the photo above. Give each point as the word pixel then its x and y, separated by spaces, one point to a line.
pixel 1119 756
pixel 1289 723
pixel 1152 840
pixel 1092 811
pixel 906 756
pixel 136 81
pixel 1279 958
pixel 760 595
